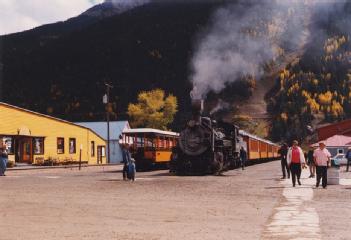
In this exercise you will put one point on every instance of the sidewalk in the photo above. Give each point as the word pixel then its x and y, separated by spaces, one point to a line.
pixel 297 216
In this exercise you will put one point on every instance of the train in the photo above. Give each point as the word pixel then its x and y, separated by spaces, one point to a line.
pixel 206 146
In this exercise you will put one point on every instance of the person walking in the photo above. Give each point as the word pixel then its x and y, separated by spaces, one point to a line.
pixel 243 157
pixel 310 162
pixel 295 160
pixel 3 160
pixel 348 158
pixel 321 159
pixel 283 151
pixel 126 160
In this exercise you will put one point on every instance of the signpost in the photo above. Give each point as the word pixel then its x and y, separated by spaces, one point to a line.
pixel 80 156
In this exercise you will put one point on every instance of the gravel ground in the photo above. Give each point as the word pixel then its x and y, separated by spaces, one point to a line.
pixel 96 204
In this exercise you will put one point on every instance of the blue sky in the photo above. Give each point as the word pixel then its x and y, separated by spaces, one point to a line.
pixel 20 15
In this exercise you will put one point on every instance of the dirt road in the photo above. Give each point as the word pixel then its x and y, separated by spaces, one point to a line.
pixel 96 204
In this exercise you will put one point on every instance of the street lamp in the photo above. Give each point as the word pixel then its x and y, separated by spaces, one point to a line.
pixel 106 100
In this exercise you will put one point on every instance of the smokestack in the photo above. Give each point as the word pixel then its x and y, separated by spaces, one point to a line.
pixel 197 106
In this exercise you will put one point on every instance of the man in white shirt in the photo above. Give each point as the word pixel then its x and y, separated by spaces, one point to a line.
pixel 321 159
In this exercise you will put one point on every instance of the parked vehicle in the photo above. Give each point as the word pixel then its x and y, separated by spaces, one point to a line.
pixel 340 159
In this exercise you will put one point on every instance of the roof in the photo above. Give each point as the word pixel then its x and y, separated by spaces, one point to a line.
pixel 46 116
pixel 150 130
pixel 116 128
pixel 329 130
pixel 326 125
pixel 335 141
pixel 244 133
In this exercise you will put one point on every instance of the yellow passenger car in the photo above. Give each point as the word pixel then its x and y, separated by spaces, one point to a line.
pixel 150 147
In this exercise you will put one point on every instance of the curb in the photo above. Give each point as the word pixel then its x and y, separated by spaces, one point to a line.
pixel 58 167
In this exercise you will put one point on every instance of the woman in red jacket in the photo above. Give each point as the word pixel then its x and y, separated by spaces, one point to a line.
pixel 296 160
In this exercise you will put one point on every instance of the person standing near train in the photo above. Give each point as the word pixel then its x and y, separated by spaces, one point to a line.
pixel 283 151
pixel 126 160
pixel 310 162
pixel 322 160
pixel 243 157
pixel 296 161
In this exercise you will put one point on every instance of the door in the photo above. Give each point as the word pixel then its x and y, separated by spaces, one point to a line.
pixel 25 150
pixel 99 154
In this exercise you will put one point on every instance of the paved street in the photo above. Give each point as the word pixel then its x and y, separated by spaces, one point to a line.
pixel 96 204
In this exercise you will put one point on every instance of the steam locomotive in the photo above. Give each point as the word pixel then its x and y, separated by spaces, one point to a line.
pixel 206 146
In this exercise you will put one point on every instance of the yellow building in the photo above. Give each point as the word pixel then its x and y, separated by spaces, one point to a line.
pixel 32 137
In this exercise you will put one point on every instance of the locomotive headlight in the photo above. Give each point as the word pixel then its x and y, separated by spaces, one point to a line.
pixel 191 123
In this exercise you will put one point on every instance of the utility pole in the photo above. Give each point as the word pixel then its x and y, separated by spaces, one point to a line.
pixel 106 100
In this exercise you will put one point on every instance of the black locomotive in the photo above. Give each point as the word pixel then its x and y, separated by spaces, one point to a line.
pixel 206 146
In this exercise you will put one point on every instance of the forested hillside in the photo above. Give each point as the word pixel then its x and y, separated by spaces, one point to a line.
pixel 316 88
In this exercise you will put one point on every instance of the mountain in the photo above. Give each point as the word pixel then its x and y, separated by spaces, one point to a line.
pixel 60 69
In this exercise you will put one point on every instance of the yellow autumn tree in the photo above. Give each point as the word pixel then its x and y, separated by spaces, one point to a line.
pixel 336 109
pixel 325 98
pixel 153 109
pixel 312 103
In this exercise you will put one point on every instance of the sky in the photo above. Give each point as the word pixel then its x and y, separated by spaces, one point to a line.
pixel 20 15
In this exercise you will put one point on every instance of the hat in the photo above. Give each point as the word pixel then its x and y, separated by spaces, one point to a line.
pixel 295 142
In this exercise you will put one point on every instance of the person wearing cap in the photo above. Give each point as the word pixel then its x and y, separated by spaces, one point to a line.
pixel 3 159
pixel 295 160
pixel 348 157
pixel 283 151
pixel 321 159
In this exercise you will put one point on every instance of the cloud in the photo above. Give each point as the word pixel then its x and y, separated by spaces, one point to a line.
pixel 20 15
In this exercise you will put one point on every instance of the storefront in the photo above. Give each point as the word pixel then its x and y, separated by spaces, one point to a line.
pixel 32 137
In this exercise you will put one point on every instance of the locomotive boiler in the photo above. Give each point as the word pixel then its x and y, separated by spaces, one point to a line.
pixel 206 146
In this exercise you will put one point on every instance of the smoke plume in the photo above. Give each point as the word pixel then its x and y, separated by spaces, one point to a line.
pixel 242 38
pixel 221 105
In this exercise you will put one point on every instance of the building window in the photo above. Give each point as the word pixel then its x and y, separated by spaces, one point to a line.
pixel 60 145
pixel 8 142
pixel 38 145
pixel 92 148
pixel 340 151
pixel 72 145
